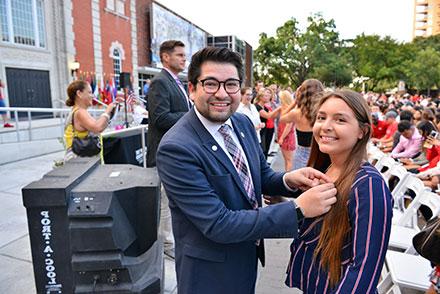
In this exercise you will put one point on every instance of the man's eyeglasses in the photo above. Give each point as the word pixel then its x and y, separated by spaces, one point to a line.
pixel 211 85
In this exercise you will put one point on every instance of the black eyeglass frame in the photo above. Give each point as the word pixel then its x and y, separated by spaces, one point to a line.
pixel 219 84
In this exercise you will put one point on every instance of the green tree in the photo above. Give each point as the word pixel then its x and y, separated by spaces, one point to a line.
pixel 292 56
pixel 424 70
pixel 382 60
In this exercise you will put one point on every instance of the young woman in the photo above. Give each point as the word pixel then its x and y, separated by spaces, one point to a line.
pixel 286 132
pixel 344 250
pixel 301 115
pixel 79 121
pixel 267 115
pixel 248 109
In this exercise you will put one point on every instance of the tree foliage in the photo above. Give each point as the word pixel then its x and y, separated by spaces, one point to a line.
pixel 292 55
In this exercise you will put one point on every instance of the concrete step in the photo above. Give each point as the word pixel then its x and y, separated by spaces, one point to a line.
pixel 11 152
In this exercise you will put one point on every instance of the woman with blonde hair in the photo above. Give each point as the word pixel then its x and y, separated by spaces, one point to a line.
pixel 267 115
pixel 80 123
pixel 300 114
pixel 344 250
pixel 286 132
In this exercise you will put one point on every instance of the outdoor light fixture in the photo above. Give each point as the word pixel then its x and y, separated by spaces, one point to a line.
pixel 74 66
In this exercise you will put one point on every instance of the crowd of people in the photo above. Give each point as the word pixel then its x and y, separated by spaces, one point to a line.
pixel 211 146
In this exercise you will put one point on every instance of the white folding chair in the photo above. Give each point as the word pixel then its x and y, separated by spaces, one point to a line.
pixel 374 154
pixel 385 163
pixel 397 171
pixel 432 200
pixel 401 236
pixel 404 271
pixel 402 216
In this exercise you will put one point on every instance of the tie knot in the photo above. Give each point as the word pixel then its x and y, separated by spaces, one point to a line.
pixel 224 130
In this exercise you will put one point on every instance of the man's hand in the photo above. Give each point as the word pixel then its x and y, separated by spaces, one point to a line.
pixel 305 178
pixel 317 200
pixel 269 200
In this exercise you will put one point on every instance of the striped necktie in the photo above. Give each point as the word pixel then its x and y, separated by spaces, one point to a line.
pixel 239 163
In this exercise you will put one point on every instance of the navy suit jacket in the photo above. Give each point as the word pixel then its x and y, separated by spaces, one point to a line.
pixel 166 105
pixel 214 225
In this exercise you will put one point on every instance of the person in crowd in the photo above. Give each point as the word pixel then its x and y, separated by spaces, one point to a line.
pixel 215 180
pixel 249 109
pixel 2 104
pixel 403 115
pixel 417 114
pixel 80 122
pixel 286 132
pixel 300 114
pixel 140 114
pixel 386 142
pixel 167 103
pixel 267 115
pixel 379 126
pixel 343 251
pixel 429 115
pixel 146 87
pixel 429 151
pixel 410 143
pixel 259 85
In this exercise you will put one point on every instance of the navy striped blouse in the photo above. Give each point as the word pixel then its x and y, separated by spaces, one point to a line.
pixel 370 208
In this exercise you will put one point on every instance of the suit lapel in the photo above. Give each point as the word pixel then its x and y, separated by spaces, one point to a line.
pixel 251 157
pixel 212 147
pixel 175 85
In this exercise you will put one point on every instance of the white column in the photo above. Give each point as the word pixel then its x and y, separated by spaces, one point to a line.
pixel 97 47
pixel 134 48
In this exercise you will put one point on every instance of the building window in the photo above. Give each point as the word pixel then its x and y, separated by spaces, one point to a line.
pixel 22 22
pixel 111 5
pixel 116 6
pixel 117 66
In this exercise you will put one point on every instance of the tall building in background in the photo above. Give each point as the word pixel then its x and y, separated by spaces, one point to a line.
pixel 426 18
pixel 239 46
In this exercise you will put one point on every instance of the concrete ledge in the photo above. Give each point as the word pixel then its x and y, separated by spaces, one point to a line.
pixel 12 152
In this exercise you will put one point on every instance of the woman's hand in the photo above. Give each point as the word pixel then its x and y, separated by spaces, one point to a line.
pixel 110 110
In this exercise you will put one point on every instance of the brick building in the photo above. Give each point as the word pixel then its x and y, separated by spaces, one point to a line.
pixel 46 44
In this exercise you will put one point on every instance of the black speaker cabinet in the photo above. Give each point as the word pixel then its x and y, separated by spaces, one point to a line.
pixel 93 229
pixel 124 80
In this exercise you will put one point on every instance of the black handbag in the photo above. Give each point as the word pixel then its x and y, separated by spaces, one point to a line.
pixel 86 147
pixel 427 241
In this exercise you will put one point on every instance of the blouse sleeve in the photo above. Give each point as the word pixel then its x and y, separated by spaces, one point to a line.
pixel 370 213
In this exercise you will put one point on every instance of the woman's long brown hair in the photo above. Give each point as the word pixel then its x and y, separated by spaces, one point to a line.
pixel 336 227
pixel 306 97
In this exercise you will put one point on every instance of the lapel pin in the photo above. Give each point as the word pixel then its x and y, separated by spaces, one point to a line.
pixel 242 135
pixel 214 148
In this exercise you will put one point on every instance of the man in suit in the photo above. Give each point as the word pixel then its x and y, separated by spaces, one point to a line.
pixel 214 172
pixel 167 103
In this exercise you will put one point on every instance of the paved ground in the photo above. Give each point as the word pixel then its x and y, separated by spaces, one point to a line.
pixel 15 256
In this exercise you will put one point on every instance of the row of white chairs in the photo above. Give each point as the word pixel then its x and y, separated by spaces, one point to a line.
pixel 403 268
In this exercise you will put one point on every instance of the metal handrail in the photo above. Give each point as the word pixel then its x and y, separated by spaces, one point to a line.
pixel 29 110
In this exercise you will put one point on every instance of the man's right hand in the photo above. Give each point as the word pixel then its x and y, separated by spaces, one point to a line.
pixel 317 200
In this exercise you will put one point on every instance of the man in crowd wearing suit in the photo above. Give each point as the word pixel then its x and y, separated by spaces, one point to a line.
pixel 167 103
pixel 214 173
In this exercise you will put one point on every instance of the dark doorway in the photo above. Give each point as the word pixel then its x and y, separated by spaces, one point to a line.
pixel 29 88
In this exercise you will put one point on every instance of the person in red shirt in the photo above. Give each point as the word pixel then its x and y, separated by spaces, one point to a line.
pixel 386 142
pixel 379 127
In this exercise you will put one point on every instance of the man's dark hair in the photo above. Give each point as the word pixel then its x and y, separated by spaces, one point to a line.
pixel 406 115
pixel 168 47
pixel 403 126
pixel 214 54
